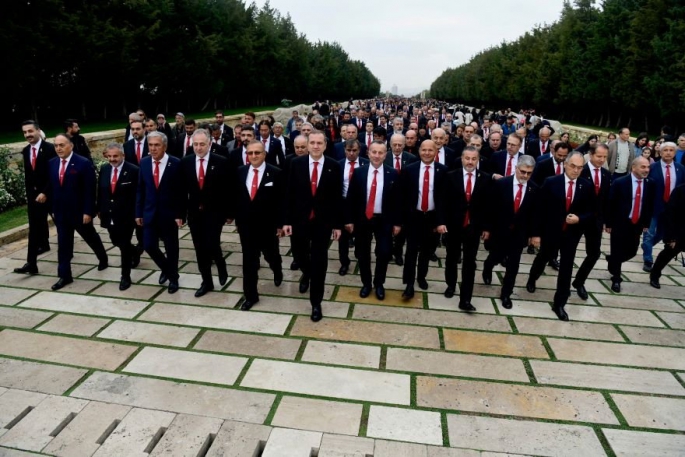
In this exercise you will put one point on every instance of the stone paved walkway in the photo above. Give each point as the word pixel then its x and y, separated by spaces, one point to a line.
pixel 94 371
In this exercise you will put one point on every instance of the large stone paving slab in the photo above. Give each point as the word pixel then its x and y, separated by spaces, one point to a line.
pixel 217 318
pixel 74 325
pixel 187 436
pixel 318 415
pixel 187 297
pixel 187 365
pixel 404 425
pixel 273 347
pixel 284 442
pixel 674 320
pixel 652 412
pixel 266 287
pixel 609 378
pixel 638 289
pixel 133 435
pixel 38 377
pixel 14 403
pixel 514 400
pixel 178 397
pixel 620 301
pixel 41 282
pixel 345 446
pixel 331 382
pixel 355 355
pixel 60 349
pixel 85 304
pixel 136 291
pixel 367 332
pixel 301 306
pixel 10 296
pixel 21 318
pixel 494 343
pixel 662 337
pixel 464 365
pixel 392 298
pixel 582 330
pixel 627 443
pixel 140 332
pixel 618 354
pixel 522 437
pixel 238 439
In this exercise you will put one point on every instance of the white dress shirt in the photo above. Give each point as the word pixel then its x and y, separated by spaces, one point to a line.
pixel 431 172
pixel 319 169
pixel 672 170
pixel 514 162
pixel 378 202
pixel 204 165
pixel 575 185
pixel 250 177
pixel 592 173
pixel 634 191
pixel 162 166
pixel 346 175
pixel 441 155
pixel 66 165
pixel 523 191
pixel 466 179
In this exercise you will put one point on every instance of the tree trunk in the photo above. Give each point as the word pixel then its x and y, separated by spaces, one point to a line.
pixel 618 122
pixel 83 110
pixel 104 111
pixel 608 118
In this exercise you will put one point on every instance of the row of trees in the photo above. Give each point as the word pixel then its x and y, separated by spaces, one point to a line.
pixel 102 59
pixel 622 63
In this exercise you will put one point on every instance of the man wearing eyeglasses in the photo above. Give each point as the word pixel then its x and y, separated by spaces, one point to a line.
pixel 504 163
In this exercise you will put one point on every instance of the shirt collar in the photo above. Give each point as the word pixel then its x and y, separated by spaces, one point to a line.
pixel 37 145
pixel 261 168
pixel 320 161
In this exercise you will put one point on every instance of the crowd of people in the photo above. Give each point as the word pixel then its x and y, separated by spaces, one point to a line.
pixel 409 174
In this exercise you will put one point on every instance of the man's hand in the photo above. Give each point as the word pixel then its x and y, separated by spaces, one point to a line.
pixel 41 198
pixel 229 221
pixel 535 241
pixel 441 229
pixel 607 229
pixel 179 222
pixel 279 233
pixel 572 219
pixel 349 228
pixel 336 234
pixel 287 230
pixel 139 221
pixel 497 176
pixel 87 219
pixel 485 236
pixel 672 244
pixel 396 230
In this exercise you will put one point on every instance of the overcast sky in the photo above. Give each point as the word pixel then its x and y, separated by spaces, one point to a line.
pixel 410 43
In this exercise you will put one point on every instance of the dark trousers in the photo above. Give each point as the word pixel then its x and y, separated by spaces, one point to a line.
pixel 398 244
pixel 421 244
pixel 470 240
pixel 566 245
pixel 511 251
pixel 310 243
pixel 121 238
pixel 624 242
pixel 255 240
pixel 365 231
pixel 65 245
pixel 38 229
pixel 167 233
pixel 664 257
pixel 139 238
pixel 205 230
pixel 593 244
pixel 344 248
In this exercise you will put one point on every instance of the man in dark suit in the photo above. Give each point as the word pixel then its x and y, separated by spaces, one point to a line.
pixel 36 156
pixel 568 204
pixel 667 174
pixel 372 212
pixel 459 144
pixel 136 148
pixel 72 193
pixel 226 130
pixel 160 207
pixel 461 214
pixel 631 205
pixel 600 178
pixel 513 223
pixel 492 145
pixel 216 146
pixel 351 162
pixel 163 126
pixel 286 143
pixel 313 202
pixel 674 234
pixel 539 146
pixel 411 141
pixel 445 155
pixel 300 147
pixel 503 163
pixel 274 150
pixel 419 181
pixel 257 210
pixel 183 142
pixel 349 134
pixel 399 159
pixel 73 131
pixel 117 187
pixel 205 185
pixel 366 137
pixel 238 157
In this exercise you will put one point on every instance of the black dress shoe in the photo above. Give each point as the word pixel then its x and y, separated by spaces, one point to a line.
pixel 103 265
pixel 202 290
pixel 487 276
pixel 561 314
pixel 247 304
pixel 364 291
pixel 62 283
pixel 398 260
pixel 304 284
pixel 27 269
pixel 278 277
pixel 173 287
pixel 125 283
pixel 316 313
pixel 380 292
pixel 434 257
pixel 294 266
pixel 647 267
pixel 223 277
pixel 135 261
pixel 467 307
pixel 43 250
pixel 530 286
pixel 343 270
pixel 449 292
pixel 554 263
pixel 616 286
pixel 162 278
pixel 654 283
pixel 423 284
pixel 408 293
pixel 506 303
pixel 531 249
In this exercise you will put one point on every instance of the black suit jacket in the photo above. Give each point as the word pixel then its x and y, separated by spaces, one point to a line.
pixel 405 159
pixel 75 196
pixel 498 163
pixel 451 158
pixel 166 203
pixel 118 209
pixel 266 210
pixel 601 200
pixel 544 169
pixel 533 147
pixel 37 181
pixel 506 225
pixel 621 202
pixel 674 217
pixel 452 204
pixel 327 203
pixel 179 144
pixel 289 149
pixel 219 150
pixel 211 199
pixel 410 186
pixel 130 151
pixel 81 146
pixel 355 203
pixel 275 156
pixel 226 135
pixel 553 206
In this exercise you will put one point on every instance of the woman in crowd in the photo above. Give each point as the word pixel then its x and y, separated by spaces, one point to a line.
pixel 589 144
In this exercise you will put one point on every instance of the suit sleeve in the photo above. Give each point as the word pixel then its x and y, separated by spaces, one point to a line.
pixel 89 183
pixel 140 195
pixel 442 202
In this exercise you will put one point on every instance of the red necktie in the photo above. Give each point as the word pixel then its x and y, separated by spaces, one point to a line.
pixel 398 165
pixel 372 197
pixel 569 196
pixel 517 199
pixel 201 174
pixel 349 177
pixel 62 170
pixel 667 182
pixel 255 184
pixel 368 140
pixel 115 173
pixel 424 193
pixel 511 159
pixel 469 188
pixel 597 181
pixel 33 157
pixel 543 149
pixel 247 159
pixel 138 151
pixel 187 143
pixel 437 157
pixel 156 174
pixel 558 168
pixel 264 142
pixel 315 178
pixel 636 206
